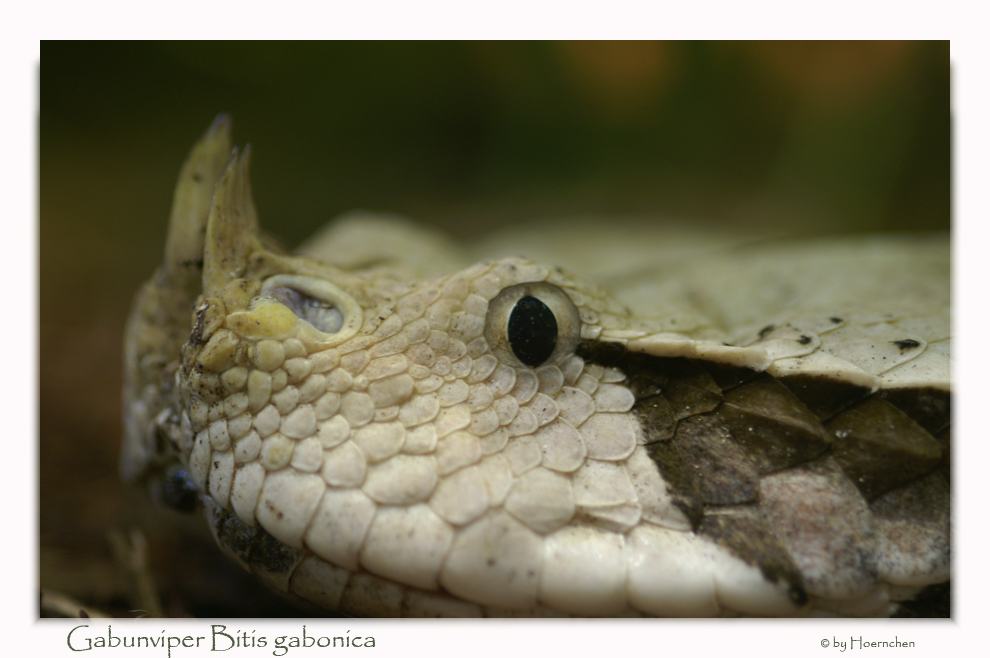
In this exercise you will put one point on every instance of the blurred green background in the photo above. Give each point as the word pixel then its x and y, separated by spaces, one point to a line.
pixel 808 137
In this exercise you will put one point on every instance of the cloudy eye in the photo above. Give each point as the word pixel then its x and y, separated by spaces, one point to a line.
pixel 322 314
pixel 532 323
pixel 327 308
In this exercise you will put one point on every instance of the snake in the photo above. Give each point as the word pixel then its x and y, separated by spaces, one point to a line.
pixel 381 426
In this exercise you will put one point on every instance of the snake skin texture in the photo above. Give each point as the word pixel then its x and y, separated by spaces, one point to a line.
pixel 379 429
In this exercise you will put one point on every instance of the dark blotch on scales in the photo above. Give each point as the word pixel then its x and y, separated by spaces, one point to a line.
pixel 774 428
pixel 729 476
pixel 719 434
pixel 746 534
pixel 879 447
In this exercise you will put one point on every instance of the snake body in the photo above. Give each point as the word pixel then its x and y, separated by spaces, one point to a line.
pixel 381 435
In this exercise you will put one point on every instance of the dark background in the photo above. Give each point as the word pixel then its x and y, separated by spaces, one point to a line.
pixel 814 137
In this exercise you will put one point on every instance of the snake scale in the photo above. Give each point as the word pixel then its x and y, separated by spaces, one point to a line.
pixel 376 428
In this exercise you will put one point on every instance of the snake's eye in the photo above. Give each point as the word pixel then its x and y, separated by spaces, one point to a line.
pixel 323 305
pixel 320 313
pixel 532 324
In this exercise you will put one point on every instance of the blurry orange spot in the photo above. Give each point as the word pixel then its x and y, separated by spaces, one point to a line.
pixel 834 72
pixel 621 79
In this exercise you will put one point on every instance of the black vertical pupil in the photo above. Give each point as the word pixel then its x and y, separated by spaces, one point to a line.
pixel 532 331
